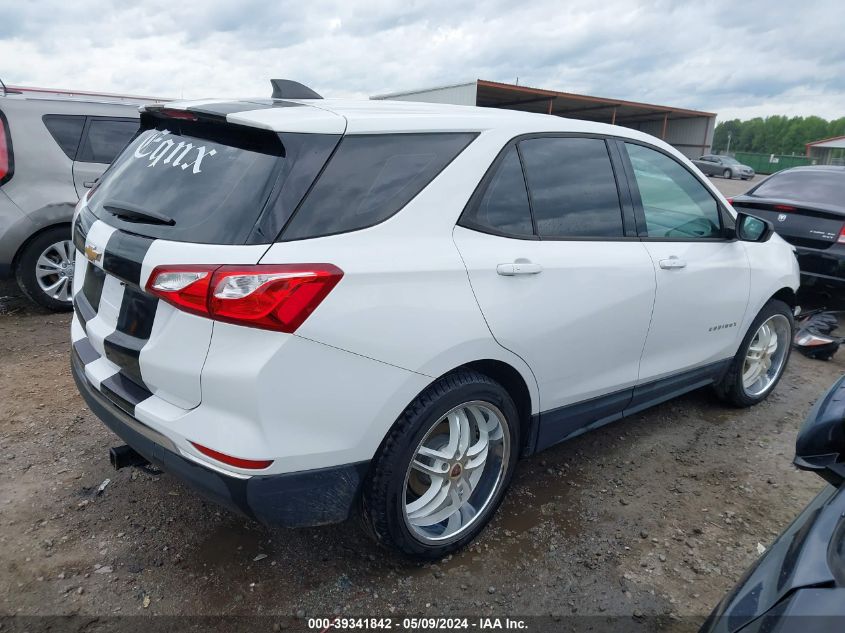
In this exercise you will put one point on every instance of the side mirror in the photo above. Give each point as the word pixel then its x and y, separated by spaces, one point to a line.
pixel 821 441
pixel 752 229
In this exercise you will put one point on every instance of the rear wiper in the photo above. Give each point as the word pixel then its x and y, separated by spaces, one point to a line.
pixel 133 213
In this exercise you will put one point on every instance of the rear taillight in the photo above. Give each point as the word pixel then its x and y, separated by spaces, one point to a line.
pixel 784 207
pixel 731 201
pixel 273 297
pixel 841 239
pixel 6 158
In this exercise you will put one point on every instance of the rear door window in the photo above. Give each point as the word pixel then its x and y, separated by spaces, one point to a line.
pixel 572 187
pixel 66 130
pixel 503 206
pixel 370 178
pixel 105 138
pixel 209 182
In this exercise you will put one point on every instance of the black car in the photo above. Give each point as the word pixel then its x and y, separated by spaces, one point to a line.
pixel 798 585
pixel 806 205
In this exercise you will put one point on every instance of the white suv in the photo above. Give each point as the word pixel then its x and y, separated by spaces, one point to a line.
pixel 307 307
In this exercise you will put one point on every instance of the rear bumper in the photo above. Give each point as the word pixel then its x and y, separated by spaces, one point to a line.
pixel 825 266
pixel 312 497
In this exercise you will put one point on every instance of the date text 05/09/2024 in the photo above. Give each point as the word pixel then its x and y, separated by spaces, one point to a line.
pixel 417 623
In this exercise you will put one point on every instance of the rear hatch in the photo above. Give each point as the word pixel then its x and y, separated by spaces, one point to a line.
pixel 807 208
pixel 189 189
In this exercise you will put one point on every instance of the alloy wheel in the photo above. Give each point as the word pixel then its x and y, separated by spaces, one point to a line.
pixel 456 472
pixel 54 271
pixel 766 355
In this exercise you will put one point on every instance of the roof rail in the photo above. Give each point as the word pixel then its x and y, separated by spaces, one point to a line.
pixel 287 89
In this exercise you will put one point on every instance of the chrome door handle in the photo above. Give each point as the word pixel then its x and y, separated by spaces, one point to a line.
pixel 519 268
pixel 672 263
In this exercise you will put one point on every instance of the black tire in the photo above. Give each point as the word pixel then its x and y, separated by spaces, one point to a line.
pixel 728 174
pixel 26 263
pixel 731 388
pixel 383 498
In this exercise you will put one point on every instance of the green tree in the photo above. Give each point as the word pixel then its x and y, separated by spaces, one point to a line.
pixel 775 134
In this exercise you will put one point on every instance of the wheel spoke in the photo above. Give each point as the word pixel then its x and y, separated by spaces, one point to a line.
pixel 434 505
pixel 466 434
pixel 437 485
pixel 67 249
pixel 438 469
pixel 450 505
pixel 46 263
pixel 430 452
pixel 483 434
pixel 64 292
pixel 454 434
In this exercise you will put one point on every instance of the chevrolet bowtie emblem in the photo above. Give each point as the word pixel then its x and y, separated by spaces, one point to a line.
pixel 92 254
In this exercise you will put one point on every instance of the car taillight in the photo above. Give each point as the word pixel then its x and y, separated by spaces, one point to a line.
pixel 268 296
pixel 784 207
pixel 841 239
pixel 6 159
pixel 731 201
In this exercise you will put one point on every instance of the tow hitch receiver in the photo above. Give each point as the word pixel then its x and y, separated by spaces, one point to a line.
pixel 123 456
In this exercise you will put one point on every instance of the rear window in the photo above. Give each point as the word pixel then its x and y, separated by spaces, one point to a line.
pixel 370 178
pixel 807 186
pixel 206 183
pixel 66 130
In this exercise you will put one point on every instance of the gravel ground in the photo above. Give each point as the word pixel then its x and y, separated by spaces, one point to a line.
pixel 656 515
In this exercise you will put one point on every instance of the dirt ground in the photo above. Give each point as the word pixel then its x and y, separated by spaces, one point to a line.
pixel 659 514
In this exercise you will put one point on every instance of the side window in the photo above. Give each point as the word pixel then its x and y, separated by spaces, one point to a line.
pixel 106 138
pixel 66 130
pixel 370 178
pixel 572 187
pixel 674 202
pixel 503 207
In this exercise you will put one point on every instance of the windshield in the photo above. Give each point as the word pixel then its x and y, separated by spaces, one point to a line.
pixel 810 186
pixel 729 161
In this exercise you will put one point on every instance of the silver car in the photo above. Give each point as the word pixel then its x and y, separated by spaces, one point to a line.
pixel 53 147
pixel 724 166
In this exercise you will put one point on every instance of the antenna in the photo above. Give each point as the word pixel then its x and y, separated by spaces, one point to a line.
pixel 288 89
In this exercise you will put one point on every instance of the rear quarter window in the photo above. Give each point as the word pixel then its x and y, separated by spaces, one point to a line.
pixel 66 130
pixel 370 178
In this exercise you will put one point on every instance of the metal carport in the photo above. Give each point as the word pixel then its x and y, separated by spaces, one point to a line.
pixel 690 131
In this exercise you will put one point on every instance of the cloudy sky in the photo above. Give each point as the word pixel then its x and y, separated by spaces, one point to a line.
pixel 740 58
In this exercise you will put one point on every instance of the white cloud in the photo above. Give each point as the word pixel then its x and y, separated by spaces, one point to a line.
pixel 746 59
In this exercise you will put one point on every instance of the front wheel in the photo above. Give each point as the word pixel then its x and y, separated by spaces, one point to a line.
pixel 759 364
pixel 444 467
